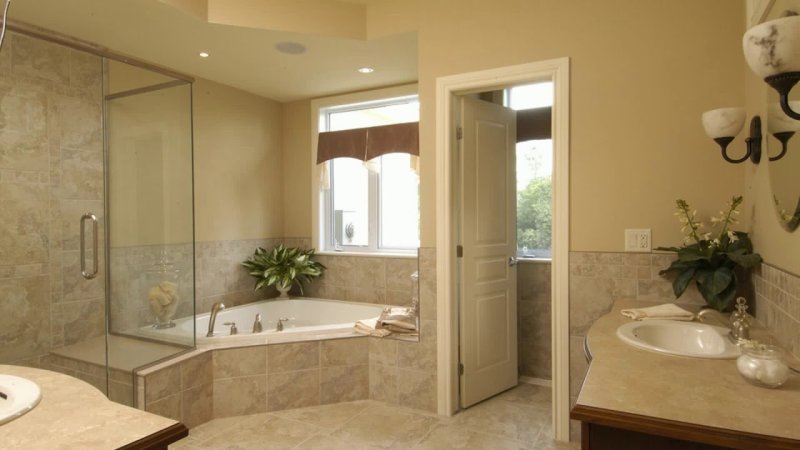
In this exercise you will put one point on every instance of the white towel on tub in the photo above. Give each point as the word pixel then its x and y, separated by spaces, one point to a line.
pixel 667 311
pixel 369 327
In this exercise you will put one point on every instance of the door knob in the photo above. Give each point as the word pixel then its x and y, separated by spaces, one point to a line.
pixel 512 261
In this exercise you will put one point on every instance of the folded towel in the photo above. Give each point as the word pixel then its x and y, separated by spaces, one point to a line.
pixel 667 311
pixel 369 327
pixel 401 320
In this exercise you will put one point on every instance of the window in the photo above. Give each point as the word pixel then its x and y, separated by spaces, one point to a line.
pixel 534 176
pixel 370 206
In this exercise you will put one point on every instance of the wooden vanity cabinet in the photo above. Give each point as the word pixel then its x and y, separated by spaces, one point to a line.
pixel 603 429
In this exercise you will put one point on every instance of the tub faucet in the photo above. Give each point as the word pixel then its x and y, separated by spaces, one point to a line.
pixel 257 327
pixel 215 308
pixel 279 327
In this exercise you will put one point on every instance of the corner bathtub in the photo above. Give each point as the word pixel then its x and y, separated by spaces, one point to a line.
pixel 309 318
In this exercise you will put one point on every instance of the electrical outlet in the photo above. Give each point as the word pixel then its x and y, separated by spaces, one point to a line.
pixel 637 240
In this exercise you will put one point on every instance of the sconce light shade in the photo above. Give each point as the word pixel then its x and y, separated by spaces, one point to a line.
pixel 773 47
pixel 723 122
pixel 772 50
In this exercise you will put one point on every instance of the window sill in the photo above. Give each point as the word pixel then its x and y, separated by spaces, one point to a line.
pixel 369 254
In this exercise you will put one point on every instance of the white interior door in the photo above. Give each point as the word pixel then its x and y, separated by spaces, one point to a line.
pixel 488 304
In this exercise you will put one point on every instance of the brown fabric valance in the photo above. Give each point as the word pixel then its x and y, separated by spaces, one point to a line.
pixel 368 143
pixel 534 123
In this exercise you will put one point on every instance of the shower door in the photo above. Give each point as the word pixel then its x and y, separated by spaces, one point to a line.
pixel 149 218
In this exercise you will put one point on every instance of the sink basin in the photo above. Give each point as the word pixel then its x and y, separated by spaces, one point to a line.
pixel 697 340
pixel 17 397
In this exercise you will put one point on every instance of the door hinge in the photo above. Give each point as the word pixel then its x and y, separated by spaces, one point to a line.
pixel 459 251
pixel 460 369
pixel 459 133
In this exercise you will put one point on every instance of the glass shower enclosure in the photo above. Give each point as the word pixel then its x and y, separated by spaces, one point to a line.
pixel 137 245
pixel 149 216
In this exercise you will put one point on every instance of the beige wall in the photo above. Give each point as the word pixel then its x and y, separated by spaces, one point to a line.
pixel 638 89
pixel 238 164
pixel 296 132
pixel 641 75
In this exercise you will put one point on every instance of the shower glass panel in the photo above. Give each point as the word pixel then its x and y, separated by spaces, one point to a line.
pixel 149 215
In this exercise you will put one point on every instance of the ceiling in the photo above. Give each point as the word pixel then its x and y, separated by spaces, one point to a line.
pixel 243 57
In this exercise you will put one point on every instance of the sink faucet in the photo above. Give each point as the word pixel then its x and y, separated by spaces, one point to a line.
pixel 739 322
pixel 215 309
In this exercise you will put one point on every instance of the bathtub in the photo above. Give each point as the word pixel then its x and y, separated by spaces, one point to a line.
pixel 309 318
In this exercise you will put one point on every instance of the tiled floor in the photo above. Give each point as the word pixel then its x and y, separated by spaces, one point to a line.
pixel 516 419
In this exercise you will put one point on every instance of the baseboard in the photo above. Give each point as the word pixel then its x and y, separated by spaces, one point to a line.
pixel 536 381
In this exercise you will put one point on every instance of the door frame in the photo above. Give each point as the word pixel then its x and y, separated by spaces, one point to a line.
pixel 447 88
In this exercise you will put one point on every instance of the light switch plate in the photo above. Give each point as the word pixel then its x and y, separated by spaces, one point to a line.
pixel 637 240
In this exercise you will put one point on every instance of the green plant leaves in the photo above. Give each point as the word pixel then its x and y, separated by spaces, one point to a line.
pixel 682 281
pixel 711 262
pixel 283 266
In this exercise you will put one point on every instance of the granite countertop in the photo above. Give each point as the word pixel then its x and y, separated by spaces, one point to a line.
pixel 707 392
pixel 74 415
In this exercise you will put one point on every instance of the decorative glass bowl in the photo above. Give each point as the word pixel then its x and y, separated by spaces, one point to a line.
pixel 763 365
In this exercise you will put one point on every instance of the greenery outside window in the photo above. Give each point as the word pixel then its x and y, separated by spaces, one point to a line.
pixel 534 177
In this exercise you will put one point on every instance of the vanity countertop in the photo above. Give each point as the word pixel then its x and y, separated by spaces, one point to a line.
pixel 706 394
pixel 75 415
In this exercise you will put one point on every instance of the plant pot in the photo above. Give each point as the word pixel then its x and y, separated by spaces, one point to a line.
pixel 283 289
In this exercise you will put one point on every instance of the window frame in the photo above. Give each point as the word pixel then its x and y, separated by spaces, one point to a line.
pixel 322 201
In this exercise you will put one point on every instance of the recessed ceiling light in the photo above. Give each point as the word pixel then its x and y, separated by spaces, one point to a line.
pixel 366 70
pixel 204 55
pixel 290 48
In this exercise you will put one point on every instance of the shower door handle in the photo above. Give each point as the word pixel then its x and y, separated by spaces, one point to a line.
pixel 93 273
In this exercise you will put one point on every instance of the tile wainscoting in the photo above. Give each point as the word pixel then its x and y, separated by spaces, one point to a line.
pixel 777 305
pixel 533 319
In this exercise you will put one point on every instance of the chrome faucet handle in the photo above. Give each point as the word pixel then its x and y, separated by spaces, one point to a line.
pixel 234 330
pixel 257 327
pixel 279 327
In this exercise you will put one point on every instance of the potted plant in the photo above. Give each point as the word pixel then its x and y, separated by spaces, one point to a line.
pixel 710 258
pixel 283 267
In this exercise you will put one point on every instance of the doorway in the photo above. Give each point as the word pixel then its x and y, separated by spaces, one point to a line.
pixel 493 317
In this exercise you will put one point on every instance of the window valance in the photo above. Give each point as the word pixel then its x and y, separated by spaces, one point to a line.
pixel 534 124
pixel 369 143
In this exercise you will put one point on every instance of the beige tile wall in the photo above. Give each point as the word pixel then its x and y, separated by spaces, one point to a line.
pixel 533 319
pixel 381 280
pixel 249 380
pixel 183 391
pixel 51 163
pixel 120 382
pixel 402 372
pixel 777 305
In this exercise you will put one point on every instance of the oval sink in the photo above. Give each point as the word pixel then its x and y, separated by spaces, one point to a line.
pixel 17 397
pixel 697 340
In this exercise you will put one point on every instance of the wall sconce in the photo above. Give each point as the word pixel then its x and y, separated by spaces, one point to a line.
pixel 782 127
pixel 772 50
pixel 724 124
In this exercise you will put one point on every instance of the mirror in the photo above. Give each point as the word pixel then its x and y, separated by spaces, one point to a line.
pixel 783 142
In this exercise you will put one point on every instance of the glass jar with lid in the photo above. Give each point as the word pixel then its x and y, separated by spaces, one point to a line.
pixel 162 281
pixel 763 365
